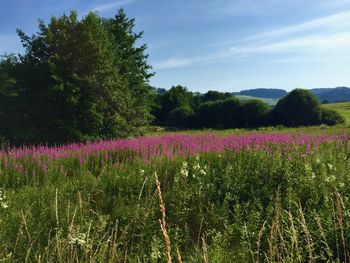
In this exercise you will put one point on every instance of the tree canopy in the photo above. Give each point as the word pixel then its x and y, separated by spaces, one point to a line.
pixel 78 79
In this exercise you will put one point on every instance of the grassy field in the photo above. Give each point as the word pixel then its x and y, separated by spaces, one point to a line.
pixel 228 196
pixel 342 107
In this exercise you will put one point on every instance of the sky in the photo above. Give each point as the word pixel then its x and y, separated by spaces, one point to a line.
pixel 224 45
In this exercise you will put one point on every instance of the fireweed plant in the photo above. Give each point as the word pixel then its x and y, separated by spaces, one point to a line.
pixel 191 198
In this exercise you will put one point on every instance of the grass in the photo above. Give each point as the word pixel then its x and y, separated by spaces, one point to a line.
pixel 343 108
pixel 156 131
pixel 279 203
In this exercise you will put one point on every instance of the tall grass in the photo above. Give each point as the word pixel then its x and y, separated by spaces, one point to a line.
pixel 284 201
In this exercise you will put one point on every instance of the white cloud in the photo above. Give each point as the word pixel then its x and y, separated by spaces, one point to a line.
pixel 173 63
pixel 319 36
pixel 333 23
pixel 111 5
pixel 304 44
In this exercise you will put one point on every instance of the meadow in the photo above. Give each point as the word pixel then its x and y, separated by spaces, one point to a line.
pixel 259 196
pixel 343 108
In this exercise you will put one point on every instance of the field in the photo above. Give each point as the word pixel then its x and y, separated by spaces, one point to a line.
pixel 342 107
pixel 230 196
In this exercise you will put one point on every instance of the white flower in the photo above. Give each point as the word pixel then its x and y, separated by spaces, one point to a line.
pixel 184 172
pixel 196 167
pixel 202 172
pixel 330 166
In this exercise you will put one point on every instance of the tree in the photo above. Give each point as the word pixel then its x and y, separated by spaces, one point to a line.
pixel 230 113
pixel 302 108
pixel 176 97
pixel 82 79
pixel 254 113
pixel 180 117
pixel 298 108
pixel 212 95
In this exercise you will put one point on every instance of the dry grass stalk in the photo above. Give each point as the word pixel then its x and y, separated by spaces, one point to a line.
pixel 275 227
pixel 308 237
pixel 339 204
pixel 179 258
pixel 323 235
pixel 262 229
pixel 163 221
pixel 294 239
pixel 205 251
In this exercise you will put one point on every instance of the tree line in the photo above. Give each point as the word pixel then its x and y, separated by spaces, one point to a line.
pixel 87 79
pixel 180 108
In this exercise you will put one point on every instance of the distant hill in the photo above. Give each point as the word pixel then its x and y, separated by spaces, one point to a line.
pixel 264 93
pixel 332 95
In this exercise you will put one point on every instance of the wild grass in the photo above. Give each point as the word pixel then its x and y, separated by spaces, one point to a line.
pixel 343 108
pixel 286 204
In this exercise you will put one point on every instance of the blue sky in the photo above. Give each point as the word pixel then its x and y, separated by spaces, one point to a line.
pixel 225 45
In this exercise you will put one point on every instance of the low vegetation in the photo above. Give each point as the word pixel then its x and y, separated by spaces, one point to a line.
pixel 343 108
pixel 246 198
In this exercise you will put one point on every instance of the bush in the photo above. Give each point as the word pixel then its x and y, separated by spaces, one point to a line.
pixel 230 113
pixel 207 115
pixel 254 113
pixel 330 117
pixel 298 108
pixel 180 117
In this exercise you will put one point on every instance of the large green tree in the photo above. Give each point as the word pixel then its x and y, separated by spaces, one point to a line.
pixel 81 79
pixel 301 108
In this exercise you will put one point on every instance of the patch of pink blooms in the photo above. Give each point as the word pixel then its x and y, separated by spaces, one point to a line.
pixel 168 146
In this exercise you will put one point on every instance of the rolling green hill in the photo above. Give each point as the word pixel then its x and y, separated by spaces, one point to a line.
pixel 342 107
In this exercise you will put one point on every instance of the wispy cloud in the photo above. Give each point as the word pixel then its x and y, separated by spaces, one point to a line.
pixel 111 5
pixel 305 44
pixel 174 63
pixel 336 22
pixel 308 39
pixel 315 36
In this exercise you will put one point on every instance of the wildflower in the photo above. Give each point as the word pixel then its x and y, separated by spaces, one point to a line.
pixel 330 166
pixel 184 172
pixel 202 172
pixel 142 172
pixel 196 167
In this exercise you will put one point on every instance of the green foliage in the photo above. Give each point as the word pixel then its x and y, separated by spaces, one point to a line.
pixel 220 110
pixel 255 113
pixel 212 95
pixel 176 97
pixel 78 80
pixel 343 108
pixel 244 206
pixel 298 108
pixel 180 117
pixel 330 117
